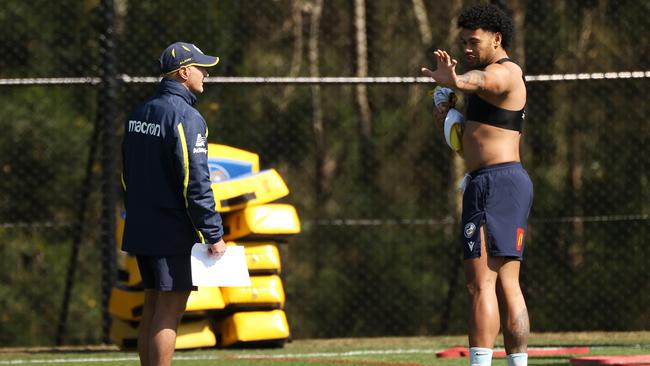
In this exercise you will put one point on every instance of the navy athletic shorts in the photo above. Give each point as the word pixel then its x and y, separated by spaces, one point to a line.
pixel 166 273
pixel 499 197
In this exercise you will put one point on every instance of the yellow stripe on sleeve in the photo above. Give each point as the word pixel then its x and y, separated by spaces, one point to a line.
pixel 186 162
pixel 186 172
pixel 123 182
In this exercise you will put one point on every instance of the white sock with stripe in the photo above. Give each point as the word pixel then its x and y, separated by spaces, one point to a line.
pixel 480 356
pixel 517 359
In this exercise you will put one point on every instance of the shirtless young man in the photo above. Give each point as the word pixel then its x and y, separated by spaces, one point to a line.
pixel 498 198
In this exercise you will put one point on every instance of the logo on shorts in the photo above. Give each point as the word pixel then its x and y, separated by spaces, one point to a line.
pixel 470 244
pixel 520 238
pixel 469 230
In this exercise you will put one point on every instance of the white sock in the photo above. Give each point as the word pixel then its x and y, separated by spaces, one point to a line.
pixel 517 359
pixel 480 356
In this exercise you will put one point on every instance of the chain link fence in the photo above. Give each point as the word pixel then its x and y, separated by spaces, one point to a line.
pixel 372 180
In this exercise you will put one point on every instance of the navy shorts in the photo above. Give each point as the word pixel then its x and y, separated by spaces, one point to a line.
pixel 499 197
pixel 166 273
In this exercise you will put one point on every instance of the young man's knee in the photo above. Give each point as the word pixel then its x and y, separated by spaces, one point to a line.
pixel 478 288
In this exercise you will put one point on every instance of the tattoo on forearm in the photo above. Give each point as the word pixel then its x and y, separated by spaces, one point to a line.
pixel 472 80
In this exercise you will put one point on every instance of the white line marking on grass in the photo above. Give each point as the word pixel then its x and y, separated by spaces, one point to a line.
pixel 340 354
pixel 178 357
pixel 64 360
pixel 102 359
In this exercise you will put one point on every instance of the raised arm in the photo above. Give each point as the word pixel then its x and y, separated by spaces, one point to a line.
pixel 494 79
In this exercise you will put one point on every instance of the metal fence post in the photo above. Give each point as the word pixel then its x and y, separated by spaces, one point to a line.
pixel 107 115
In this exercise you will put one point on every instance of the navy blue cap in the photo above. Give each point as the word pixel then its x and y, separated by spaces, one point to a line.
pixel 184 54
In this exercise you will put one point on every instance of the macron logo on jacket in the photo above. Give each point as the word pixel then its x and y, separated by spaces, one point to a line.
pixel 145 128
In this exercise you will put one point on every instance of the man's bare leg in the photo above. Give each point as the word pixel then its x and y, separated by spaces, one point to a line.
pixel 516 327
pixel 170 306
pixel 481 276
pixel 145 325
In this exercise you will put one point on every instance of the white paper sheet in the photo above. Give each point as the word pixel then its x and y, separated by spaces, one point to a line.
pixel 230 270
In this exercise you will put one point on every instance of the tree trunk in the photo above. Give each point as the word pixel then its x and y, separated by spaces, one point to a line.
pixel 575 161
pixel 457 172
pixel 317 109
pixel 420 11
pixel 366 151
pixel 518 8
pixel 297 10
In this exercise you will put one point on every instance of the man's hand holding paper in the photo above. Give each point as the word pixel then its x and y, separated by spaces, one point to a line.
pixel 227 268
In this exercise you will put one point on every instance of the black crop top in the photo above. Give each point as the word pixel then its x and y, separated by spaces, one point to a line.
pixel 481 111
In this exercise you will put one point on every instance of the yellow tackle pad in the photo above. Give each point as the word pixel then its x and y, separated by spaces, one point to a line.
pixel 227 162
pixel 262 257
pixel 272 221
pixel 129 273
pixel 127 302
pixel 205 298
pixel 254 326
pixel 190 334
pixel 248 190
pixel 264 292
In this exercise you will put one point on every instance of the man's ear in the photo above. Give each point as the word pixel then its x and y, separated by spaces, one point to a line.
pixel 184 73
pixel 497 39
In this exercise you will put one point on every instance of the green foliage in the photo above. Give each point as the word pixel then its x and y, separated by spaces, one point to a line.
pixel 31 285
pixel 45 144
pixel 39 44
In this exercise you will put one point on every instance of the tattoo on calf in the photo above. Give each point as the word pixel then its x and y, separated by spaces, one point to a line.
pixel 519 330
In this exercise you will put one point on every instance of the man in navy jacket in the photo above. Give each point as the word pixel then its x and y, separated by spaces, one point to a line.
pixel 169 202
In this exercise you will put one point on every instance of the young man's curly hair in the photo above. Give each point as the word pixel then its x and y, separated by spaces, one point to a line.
pixel 487 17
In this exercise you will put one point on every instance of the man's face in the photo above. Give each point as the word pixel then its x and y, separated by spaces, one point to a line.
pixel 479 46
pixel 195 76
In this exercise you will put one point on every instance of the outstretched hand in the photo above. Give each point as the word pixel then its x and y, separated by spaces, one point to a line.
pixel 445 72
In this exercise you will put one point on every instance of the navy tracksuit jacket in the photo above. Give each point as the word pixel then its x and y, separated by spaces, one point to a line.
pixel 168 199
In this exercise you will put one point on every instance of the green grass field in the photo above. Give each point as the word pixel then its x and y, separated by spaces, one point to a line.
pixel 406 351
